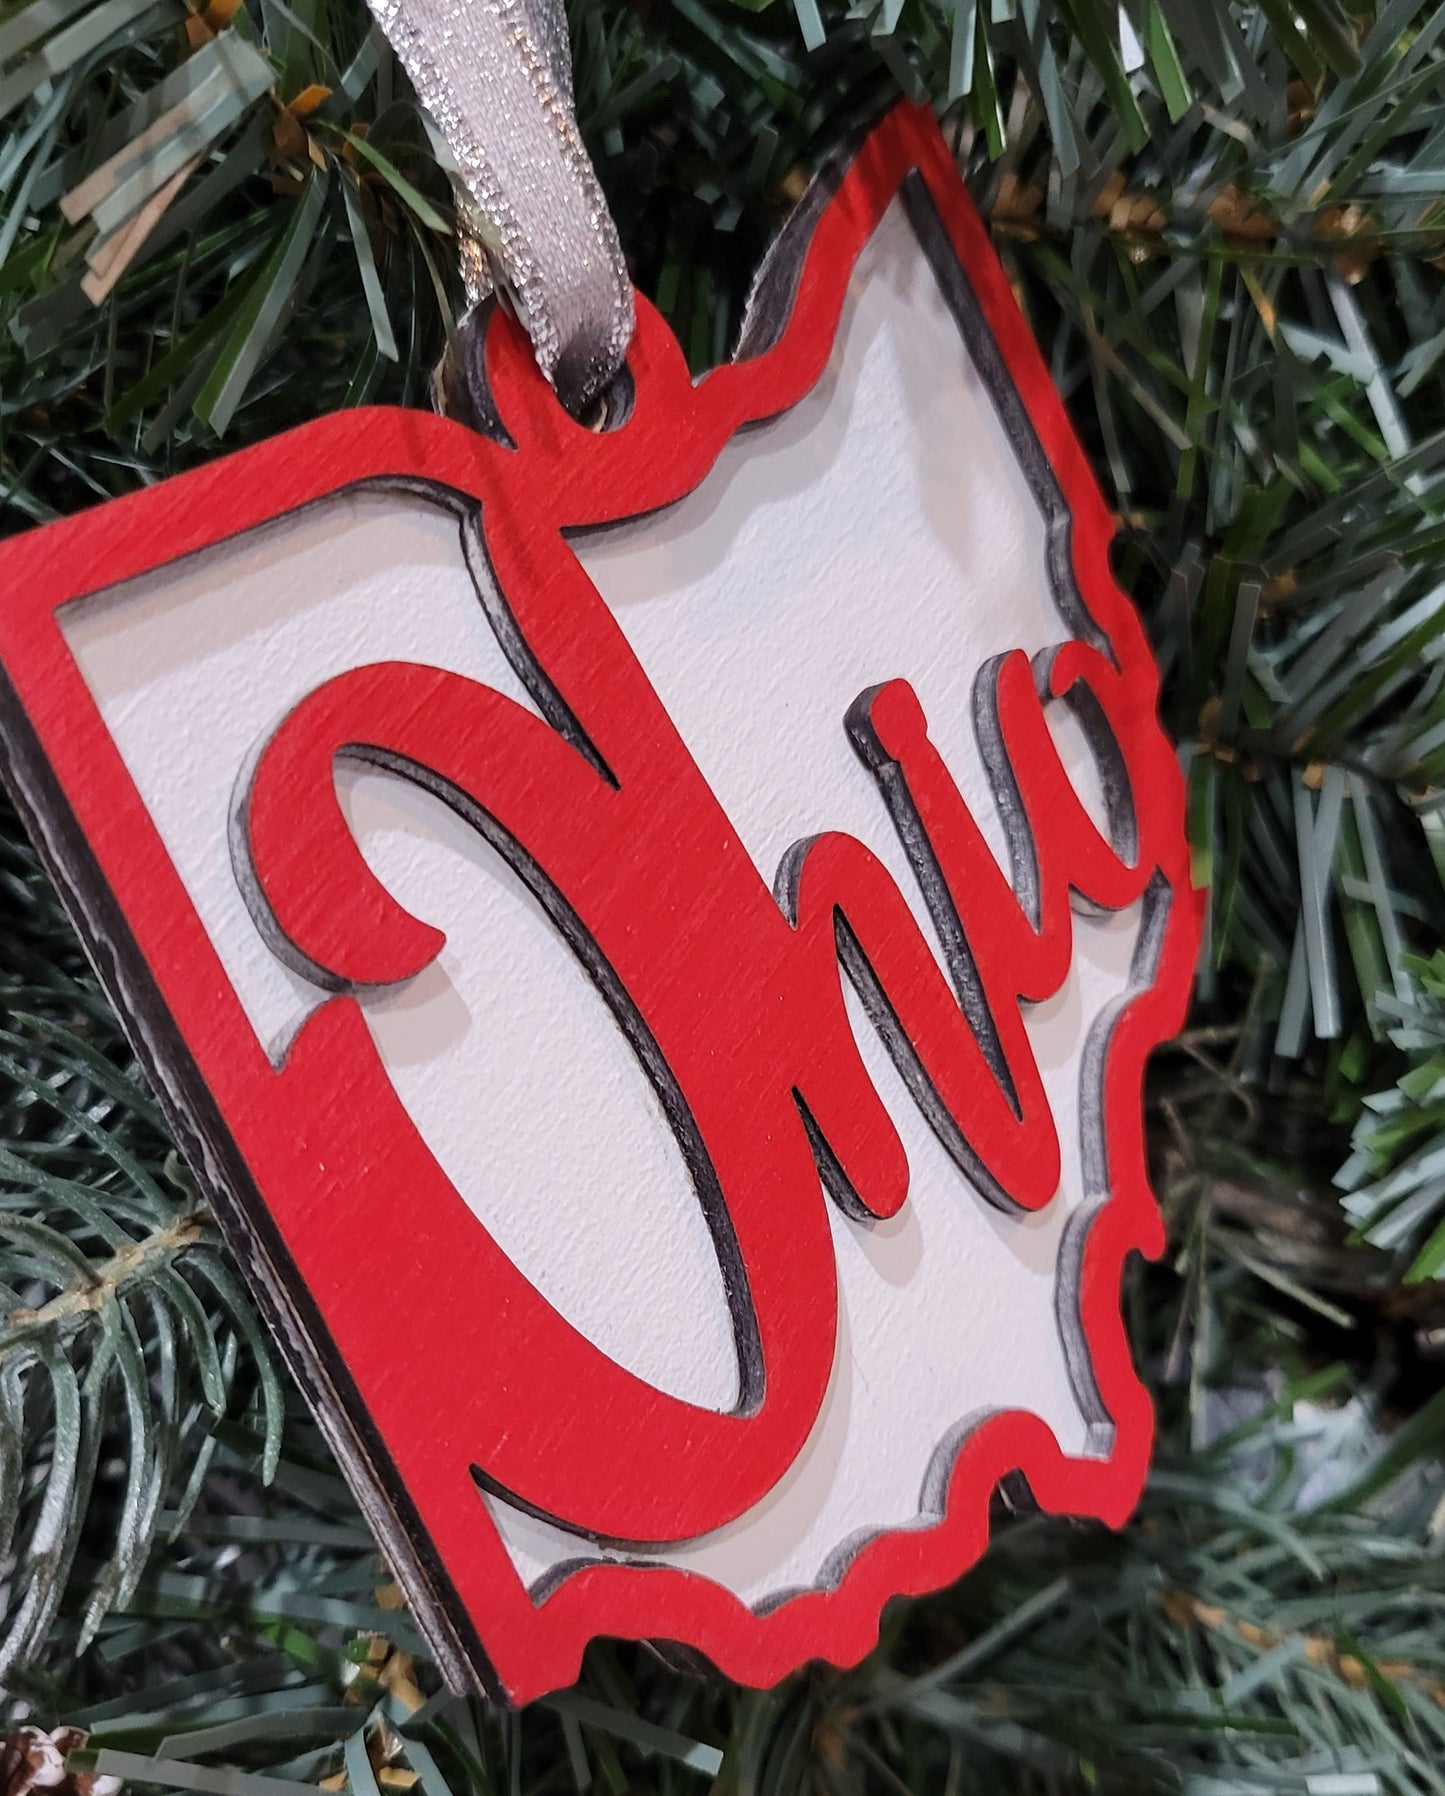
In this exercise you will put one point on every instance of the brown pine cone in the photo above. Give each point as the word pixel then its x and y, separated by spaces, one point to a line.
pixel 32 1763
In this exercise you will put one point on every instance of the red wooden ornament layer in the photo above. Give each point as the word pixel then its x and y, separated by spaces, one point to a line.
pixel 613 825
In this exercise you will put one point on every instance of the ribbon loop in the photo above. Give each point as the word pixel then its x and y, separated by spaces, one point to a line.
pixel 496 77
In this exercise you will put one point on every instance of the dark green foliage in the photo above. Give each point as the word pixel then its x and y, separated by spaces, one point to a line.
pixel 1224 222
pixel 1396 1176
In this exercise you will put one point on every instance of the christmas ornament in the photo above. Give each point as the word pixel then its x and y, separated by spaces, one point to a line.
pixel 650 938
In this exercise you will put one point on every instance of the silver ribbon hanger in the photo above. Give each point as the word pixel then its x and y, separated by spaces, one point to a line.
pixel 496 77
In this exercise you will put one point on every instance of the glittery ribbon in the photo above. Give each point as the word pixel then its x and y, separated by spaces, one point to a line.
pixel 496 77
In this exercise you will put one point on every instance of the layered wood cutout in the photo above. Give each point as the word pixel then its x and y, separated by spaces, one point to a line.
pixel 650 940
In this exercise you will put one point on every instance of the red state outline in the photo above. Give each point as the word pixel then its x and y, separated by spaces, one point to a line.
pixel 98 837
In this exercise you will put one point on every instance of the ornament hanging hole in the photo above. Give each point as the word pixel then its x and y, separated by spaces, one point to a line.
pixel 460 389
pixel 613 406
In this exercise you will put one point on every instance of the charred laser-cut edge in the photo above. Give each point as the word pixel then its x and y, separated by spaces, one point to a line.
pixel 988 360
pixel 769 305
pixel 1155 909
pixel 906 1059
pixel 898 799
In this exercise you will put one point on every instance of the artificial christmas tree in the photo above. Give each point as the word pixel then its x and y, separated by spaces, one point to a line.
pixel 1222 223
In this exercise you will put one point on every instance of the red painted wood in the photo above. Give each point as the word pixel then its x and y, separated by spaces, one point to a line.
pixel 455 1357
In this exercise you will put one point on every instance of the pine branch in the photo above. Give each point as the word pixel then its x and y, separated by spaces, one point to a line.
pixel 97 1288
pixel 124 1335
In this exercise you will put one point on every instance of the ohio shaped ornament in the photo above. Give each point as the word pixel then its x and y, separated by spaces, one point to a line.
pixel 650 941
